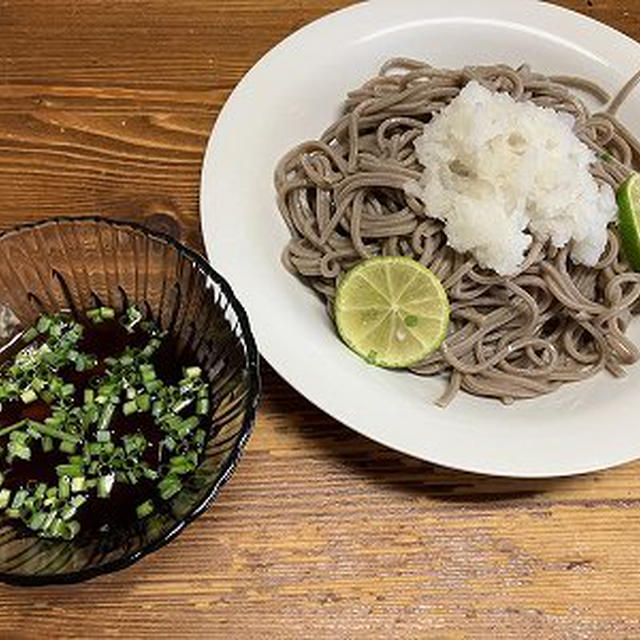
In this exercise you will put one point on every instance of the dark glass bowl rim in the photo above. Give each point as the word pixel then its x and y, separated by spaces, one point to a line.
pixel 252 367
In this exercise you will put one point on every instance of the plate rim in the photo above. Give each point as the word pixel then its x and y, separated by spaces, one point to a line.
pixel 571 468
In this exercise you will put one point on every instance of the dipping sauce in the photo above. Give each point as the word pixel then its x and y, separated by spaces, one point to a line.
pixel 101 420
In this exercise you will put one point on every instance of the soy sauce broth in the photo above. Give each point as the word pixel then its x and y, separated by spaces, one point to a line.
pixel 106 340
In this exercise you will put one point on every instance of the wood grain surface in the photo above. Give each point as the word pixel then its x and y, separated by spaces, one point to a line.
pixel 106 106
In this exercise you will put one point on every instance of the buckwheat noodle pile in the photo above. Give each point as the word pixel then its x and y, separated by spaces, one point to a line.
pixel 343 198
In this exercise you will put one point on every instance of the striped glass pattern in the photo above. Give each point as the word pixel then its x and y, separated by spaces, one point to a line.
pixel 72 264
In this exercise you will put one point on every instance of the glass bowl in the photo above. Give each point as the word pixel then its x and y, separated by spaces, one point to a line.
pixel 75 263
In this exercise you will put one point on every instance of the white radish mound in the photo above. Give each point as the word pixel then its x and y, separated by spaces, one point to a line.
pixel 500 172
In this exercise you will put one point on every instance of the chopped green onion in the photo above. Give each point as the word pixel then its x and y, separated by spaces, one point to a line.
pixel 71 530
pixel 181 405
pixel 48 430
pixel 49 519
pixel 153 385
pixel 144 509
pixel 94 461
pixel 67 447
pixel 149 473
pixel 67 512
pixel 108 447
pixel 202 406
pixel 56 527
pixel 129 407
pixel 169 486
pixel 78 501
pixel 100 314
pixel 134 443
pixel 147 373
pixel 18 450
pixel 78 484
pixel 40 491
pixel 5 497
pixel 151 348
pixel 133 317
pixel 193 372
pixel 55 420
pixel 64 487
pixel 172 422
pixel 12 427
pixel 105 416
pixel 71 470
pixel 95 448
pixel 28 396
pixel 19 498
pixel 82 361
pixel 126 360
pixel 188 425
pixel 30 334
pixel 20 436
pixel 43 324
pixel 143 402
pixel 103 436
pixel 37 520
pixel 180 465
pixel 157 409
pixel 67 390
pixel 105 484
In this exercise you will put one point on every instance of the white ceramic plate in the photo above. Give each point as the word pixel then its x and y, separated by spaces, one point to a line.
pixel 291 95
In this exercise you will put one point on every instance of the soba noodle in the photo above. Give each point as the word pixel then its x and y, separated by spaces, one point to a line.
pixel 343 198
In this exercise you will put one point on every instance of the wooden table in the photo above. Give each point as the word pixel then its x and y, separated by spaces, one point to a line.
pixel 106 106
